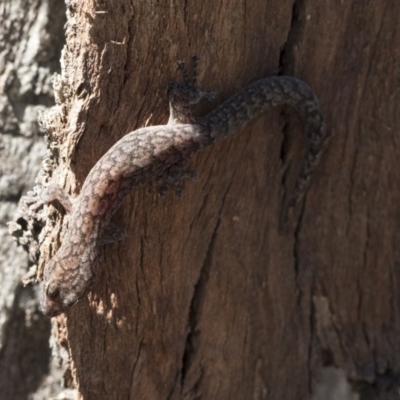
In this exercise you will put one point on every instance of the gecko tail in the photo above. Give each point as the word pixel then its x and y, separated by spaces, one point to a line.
pixel 317 138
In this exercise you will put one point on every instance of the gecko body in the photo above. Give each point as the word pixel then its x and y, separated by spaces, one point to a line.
pixel 159 153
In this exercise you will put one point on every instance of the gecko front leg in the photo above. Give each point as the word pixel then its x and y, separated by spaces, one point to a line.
pixel 182 97
pixel 52 192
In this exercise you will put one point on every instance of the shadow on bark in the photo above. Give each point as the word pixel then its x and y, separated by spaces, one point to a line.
pixel 25 355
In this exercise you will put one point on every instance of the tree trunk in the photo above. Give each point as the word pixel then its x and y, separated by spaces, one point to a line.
pixel 204 298
pixel 31 38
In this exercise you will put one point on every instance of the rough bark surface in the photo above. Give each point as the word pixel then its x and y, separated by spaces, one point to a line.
pixel 31 38
pixel 204 299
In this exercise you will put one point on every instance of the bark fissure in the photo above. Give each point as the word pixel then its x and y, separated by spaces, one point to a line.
pixel 134 365
pixel 199 213
pixel 195 307
pixel 173 386
pixel 296 244
pixel 199 294
pixel 294 35
pixel 141 266
pixel 312 325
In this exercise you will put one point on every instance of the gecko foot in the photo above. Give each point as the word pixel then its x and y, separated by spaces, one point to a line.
pixel 173 179
pixel 183 95
pixel 47 195
pixel 112 233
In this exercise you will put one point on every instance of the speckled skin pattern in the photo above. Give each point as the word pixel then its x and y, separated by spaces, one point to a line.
pixel 160 153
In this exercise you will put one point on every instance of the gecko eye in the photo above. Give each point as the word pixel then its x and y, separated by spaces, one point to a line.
pixel 53 293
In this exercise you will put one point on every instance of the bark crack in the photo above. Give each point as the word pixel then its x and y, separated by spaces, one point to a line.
pixel 197 301
pixel 312 325
pixel 286 60
pixel 296 244
pixel 286 67
pixel 196 305
pixel 134 365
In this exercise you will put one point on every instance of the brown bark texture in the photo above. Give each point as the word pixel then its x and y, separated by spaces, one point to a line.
pixel 204 298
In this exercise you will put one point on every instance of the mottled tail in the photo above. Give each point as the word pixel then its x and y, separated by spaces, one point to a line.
pixel 258 97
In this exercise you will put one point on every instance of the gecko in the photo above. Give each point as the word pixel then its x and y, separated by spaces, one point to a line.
pixel 160 153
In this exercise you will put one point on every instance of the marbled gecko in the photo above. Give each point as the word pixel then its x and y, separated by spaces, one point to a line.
pixel 160 153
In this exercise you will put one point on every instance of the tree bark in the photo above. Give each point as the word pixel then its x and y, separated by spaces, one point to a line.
pixel 31 38
pixel 204 299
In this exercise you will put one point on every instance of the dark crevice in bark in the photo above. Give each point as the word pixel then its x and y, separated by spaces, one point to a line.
pixel 312 325
pixel 286 60
pixel 172 390
pixel 286 165
pixel 141 265
pixel 309 290
pixel 286 67
pixel 197 302
pixel 287 63
pixel 137 358
pixel 194 391
pixel 195 307
pixel 296 245
pixel 284 148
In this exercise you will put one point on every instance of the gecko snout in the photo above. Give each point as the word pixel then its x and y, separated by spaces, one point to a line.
pixel 54 299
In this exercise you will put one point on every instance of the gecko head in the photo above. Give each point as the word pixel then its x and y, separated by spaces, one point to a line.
pixel 66 280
